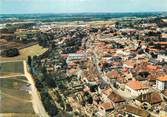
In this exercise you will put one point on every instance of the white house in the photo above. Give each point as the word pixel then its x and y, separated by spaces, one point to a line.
pixel 75 56
pixel 136 88
pixel 162 58
pixel 161 83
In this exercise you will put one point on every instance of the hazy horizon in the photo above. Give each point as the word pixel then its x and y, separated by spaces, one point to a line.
pixel 81 13
pixel 80 6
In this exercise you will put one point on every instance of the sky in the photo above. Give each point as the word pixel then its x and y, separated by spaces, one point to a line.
pixel 80 6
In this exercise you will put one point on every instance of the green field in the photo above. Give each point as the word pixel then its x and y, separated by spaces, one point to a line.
pixel 12 67
pixel 15 87
pixel 11 105
pixel 13 82
pixel 25 52
pixel 14 95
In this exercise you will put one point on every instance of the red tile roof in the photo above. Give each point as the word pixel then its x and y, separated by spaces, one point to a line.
pixel 162 78
pixel 136 111
pixel 71 64
pixel 162 43
pixel 155 98
pixel 72 71
pixel 65 55
pixel 115 98
pixel 130 63
pixel 79 51
pixel 107 91
pixel 113 74
pixel 152 67
pixel 152 98
pixel 136 85
pixel 107 105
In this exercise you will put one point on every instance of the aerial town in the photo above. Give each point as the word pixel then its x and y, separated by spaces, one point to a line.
pixel 103 68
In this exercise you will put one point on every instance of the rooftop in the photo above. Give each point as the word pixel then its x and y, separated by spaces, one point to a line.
pixel 115 98
pixel 162 78
pixel 107 105
pixel 136 85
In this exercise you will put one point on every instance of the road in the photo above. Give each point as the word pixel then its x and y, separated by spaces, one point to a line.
pixel 36 100
pixel 37 103
pixel 103 78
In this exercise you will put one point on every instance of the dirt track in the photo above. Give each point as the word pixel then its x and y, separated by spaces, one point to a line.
pixel 37 104
pixel 36 100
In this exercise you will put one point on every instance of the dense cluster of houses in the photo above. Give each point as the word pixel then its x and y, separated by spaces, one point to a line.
pixel 133 60
pixel 116 68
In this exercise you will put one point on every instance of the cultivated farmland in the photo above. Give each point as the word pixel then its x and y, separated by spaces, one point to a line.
pixel 15 90
pixel 12 67
pixel 25 52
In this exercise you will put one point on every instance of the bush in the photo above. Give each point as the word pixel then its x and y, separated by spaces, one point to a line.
pixel 11 52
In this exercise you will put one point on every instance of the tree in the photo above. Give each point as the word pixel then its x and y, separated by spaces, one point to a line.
pixel 29 61
pixel 117 25
pixel 11 52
